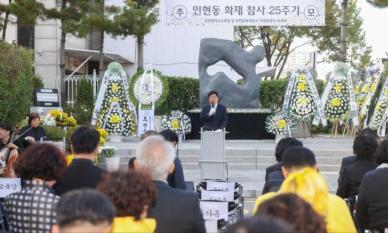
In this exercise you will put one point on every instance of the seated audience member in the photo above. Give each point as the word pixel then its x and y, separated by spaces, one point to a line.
pixel 273 174
pixel 84 210
pixel 33 132
pixel 176 179
pixel 350 177
pixel 174 210
pixel 131 193
pixel 295 211
pixel 372 202
pixel 33 208
pixel 381 155
pixel 144 136
pixel 9 152
pixel 260 224
pixel 300 169
pixel 346 161
pixel 82 173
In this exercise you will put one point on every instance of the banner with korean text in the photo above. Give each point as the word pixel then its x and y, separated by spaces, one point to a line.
pixel 245 12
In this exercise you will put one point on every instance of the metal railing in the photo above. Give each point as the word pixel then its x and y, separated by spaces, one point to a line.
pixel 71 84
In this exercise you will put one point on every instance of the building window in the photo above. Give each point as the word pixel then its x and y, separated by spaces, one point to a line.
pixel 26 36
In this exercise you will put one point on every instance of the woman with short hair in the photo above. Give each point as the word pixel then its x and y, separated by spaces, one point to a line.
pixel 33 132
pixel 131 192
pixel 33 208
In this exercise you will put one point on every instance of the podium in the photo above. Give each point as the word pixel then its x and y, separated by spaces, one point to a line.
pixel 212 162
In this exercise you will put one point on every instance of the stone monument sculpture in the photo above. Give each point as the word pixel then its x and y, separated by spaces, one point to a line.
pixel 244 63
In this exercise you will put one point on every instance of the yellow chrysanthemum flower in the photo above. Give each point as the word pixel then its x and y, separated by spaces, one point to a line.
pixel 302 78
pixel 372 88
pixel 281 124
pixel 115 88
pixel 365 89
pixel 175 124
pixel 114 99
pixel 301 86
pixel 303 101
pixel 338 88
pixel 357 89
pixel 115 119
pixel 386 91
pixel 335 102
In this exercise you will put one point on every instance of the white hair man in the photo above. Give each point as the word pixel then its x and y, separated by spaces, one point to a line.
pixel 174 210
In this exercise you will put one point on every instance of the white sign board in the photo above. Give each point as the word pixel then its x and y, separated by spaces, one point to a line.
pixel 212 210
pixel 245 13
pixel 9 186
pixel 220 186
pixel 217 195
pixel 146 121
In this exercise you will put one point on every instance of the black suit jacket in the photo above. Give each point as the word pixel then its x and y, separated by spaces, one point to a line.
pixel 272 168
pixel 217 121
pixel 273 182
pixel 348 160
pixel 177 178
pixel 350 177
pixel 81 173
pixel 176 211
pixel 372 202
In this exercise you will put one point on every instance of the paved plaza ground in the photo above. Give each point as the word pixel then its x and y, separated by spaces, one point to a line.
pixel 247 160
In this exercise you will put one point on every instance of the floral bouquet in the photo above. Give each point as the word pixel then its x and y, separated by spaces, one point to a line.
pixel 103 136
pixel 49 120
pixel 177 121
pixel 279 124
pixel 105 152
pixel 60 118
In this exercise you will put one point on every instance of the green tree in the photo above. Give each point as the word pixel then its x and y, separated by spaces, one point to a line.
pixel 137 19
pixel 73 16
pixel 276 41
pixel 328 38
pixel 4 9
pixel 100 19
pixel 16 82
pixel 378 3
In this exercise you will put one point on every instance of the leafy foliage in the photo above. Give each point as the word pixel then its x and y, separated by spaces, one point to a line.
pixel 136 18
pixel 183 95
pixel 378 3
pixel 328 38
pixel 272 92
pixel 278 42
pixel 15 82
pixel 162 98
pixel 84 108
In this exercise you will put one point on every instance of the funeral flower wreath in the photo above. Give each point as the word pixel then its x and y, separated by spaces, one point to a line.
pixel 338 104
pixel 302 103
pixel 176 121
pixel 279 124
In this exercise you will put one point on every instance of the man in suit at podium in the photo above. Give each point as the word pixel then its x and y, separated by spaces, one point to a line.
pixel 213 115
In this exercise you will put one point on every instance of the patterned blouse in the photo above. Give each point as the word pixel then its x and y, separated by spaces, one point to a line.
pixel 32 209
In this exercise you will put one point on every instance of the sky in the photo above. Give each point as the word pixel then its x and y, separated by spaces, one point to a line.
pixel 376 28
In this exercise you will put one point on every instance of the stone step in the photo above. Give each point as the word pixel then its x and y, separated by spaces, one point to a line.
pixel 248 166
pixel 241 152
pixel 260 159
